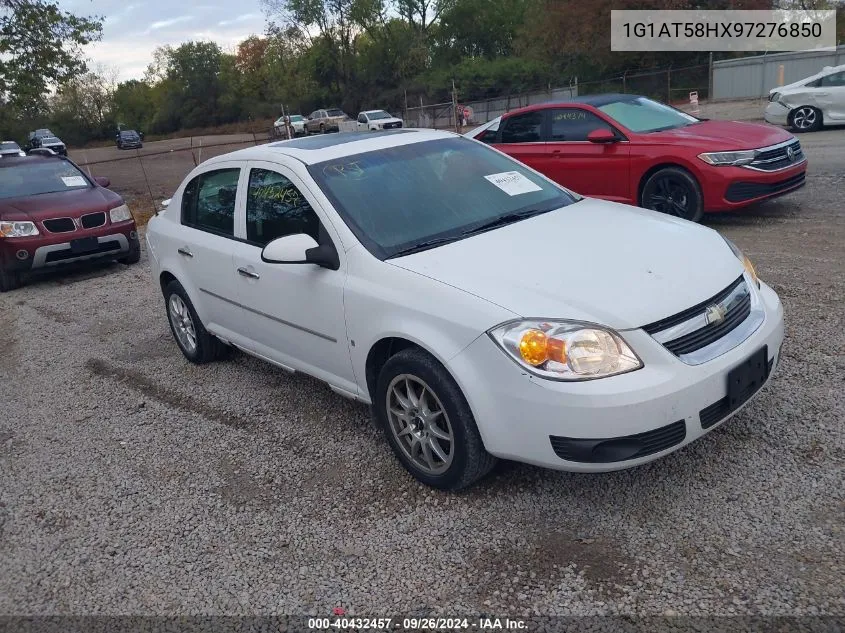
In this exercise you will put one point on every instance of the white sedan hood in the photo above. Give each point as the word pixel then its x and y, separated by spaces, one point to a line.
pixel 596 261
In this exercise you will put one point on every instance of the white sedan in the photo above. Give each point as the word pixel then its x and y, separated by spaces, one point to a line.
pixel 297 124
pixel 377 120
pixel 480 309
pixel 807 105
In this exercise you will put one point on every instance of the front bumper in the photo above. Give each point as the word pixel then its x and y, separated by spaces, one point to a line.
pixel 729 188
pixel 520 415
pixel 50 250
pixel 776 114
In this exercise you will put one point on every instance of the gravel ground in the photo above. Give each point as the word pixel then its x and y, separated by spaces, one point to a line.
pixel 132 482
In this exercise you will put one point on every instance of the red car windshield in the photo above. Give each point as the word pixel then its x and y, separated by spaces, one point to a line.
pixel 644 115
pixel 33 178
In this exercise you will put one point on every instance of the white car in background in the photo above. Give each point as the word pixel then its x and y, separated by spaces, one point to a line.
pixel 807 105
pixel 10 148
pixel 482 310
pixel 297 124
pixel 378 120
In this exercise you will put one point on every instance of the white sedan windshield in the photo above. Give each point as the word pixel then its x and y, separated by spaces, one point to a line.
pixel 400 198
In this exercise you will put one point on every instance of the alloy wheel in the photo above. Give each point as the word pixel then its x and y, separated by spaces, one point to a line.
pixel 420 424
pixel 804 118
pixel 671 196
pixel 183 324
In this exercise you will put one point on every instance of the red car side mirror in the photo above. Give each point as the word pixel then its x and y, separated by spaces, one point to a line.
pixel 102 181
pixel 602 135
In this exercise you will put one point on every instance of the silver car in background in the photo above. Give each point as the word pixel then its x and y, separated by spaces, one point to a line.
pixel 808 104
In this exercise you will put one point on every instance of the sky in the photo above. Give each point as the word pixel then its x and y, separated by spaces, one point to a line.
pixel 134 28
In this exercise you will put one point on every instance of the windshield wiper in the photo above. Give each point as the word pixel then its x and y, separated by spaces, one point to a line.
pixel 502 220
pixel 424 246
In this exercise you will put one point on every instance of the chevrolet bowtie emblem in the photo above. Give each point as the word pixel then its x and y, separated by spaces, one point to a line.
pixel 715 314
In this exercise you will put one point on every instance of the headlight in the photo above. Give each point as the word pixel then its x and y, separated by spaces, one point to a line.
pixel 565 350
pixel 120 214
pixel 18 229
pixel 749 267
pixel 729 158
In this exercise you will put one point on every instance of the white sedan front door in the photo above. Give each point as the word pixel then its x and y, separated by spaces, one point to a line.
pixel 293 313
pixel 830 96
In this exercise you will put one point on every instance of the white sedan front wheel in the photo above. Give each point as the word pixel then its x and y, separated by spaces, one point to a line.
pixel 428 422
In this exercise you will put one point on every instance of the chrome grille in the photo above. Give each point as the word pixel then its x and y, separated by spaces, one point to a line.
pixel 700 333
pixel 778 157
pixel 59 225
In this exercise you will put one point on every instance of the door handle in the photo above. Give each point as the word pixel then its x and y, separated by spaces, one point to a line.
pixel 184 251
pixel 248 273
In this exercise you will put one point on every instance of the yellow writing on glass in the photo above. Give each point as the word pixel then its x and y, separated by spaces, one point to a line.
pixel 344 170
pixel 570 115
pixel 275 193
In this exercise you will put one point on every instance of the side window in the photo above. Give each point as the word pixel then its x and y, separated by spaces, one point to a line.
pixel 362 118
pixel 275 208
pixel 573 124
pixel 834 80
pixel 489 135
pixel 523 128
pixel 208 202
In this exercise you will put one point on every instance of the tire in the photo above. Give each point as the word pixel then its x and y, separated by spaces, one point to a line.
pixel 9 280
pixel 206 347
pixel 448 416
pixel 805 119
pixel 134 255
pixel 674 191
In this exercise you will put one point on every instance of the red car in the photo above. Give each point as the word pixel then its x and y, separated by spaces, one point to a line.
pixel 52 214
pixel 630 149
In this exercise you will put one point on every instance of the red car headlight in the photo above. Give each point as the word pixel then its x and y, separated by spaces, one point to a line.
pixel 18 229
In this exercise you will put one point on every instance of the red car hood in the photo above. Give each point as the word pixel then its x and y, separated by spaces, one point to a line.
pixel 723 135
pixel 63 204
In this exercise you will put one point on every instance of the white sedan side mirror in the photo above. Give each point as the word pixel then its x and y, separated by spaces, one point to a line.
pixel 301 249
pixel 290 249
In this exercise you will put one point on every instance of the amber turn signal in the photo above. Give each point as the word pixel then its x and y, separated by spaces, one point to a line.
pixel 536 348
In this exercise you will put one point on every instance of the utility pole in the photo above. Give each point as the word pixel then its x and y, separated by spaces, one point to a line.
pixel 455 107
pixel 285 121
pixel 710 79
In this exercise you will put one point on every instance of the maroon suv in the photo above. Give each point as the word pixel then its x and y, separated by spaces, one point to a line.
pixel 52 214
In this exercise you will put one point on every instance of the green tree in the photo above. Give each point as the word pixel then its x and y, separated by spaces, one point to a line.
pixel 40 48
pixel 134 104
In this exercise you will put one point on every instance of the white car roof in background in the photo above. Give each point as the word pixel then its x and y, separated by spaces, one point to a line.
pixel 316 149
pixel 827 70
pixel 374 111
pixel 478 130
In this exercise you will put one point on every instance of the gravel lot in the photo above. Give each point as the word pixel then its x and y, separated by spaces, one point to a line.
pixel 134 482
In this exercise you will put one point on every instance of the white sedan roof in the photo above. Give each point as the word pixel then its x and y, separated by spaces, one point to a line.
pixel 316 149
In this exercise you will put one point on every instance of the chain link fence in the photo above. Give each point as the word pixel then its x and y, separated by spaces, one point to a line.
pixel 147 176
pixel 670 85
